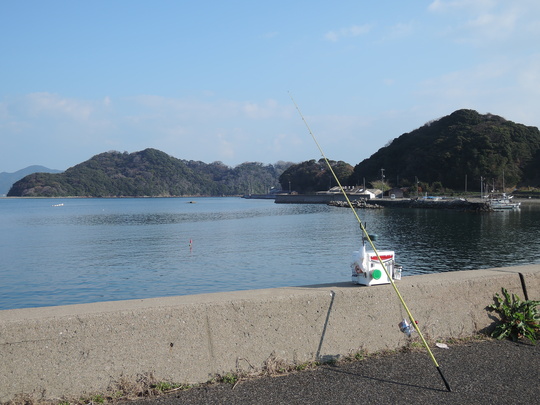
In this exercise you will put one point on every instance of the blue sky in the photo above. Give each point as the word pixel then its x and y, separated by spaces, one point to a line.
pixel 210 80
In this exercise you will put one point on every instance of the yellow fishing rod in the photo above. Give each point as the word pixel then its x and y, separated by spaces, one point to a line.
pixel 367 237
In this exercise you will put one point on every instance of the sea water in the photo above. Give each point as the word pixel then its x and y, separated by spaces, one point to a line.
pixel 67 251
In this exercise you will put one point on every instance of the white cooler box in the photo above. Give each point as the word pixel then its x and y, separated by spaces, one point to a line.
pixel 367 269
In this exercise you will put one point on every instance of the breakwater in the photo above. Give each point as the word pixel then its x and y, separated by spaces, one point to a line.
pixel 339 200
pixel 361 204
pixel 453 204
pixel 77 350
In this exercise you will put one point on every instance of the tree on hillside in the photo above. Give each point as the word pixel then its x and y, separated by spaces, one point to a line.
pixel 149 173
pixel 311 176
pixel 464 143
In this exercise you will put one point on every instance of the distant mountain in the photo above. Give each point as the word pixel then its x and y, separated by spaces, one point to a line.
pixel 150 173
pixel 463 145
pixel 7 179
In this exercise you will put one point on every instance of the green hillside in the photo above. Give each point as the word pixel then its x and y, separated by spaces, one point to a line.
pixel 463 145
pixel 149 173
pixel 7 179
pixel 311 176
pixel 460 148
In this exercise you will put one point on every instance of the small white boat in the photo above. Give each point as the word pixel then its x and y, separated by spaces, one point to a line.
pixel 503 202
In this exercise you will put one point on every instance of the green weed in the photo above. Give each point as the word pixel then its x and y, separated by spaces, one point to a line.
pixel 230 378
pixel 519 319
pixel 98 399
pixel 164 386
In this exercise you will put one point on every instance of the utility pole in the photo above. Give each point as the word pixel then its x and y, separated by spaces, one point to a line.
pixel 382 180
pixel 481 187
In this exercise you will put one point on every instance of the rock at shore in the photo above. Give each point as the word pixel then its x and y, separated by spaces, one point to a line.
pixel 449 204
pixel 360 203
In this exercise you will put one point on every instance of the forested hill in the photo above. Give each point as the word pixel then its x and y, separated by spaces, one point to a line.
pixel 7 179
pixel 446 153
pixel 150 173
pixel 464 144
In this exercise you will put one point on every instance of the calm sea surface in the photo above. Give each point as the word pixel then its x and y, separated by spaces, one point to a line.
pixel 90 250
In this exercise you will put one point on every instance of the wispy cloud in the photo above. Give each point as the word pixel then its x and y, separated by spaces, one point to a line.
pixel 47 104
pixel 398 31
pixel 192 128
pixel 488 22
pixel 505 87
pixel 529 76
pixel 207 110
pixel 353 31
pixel 490 27
pixel 444 6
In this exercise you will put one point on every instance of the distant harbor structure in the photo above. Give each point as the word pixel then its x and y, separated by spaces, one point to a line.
pixel 372 198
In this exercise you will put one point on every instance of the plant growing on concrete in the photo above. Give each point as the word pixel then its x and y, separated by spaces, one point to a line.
pixel 164 386
pixel 230 378
pixel 519 319
pixel 97 399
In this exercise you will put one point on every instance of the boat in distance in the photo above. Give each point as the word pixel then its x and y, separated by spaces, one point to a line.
pixel 503 202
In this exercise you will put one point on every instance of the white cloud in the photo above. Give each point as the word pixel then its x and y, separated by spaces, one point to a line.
pixel 226 148
pixel 282 142
pixel 490 27
pixel 489 22
pixel 506 87
pixel 10 122
pixel 399 30
pixel 208 110
pixel 270 108
pixel 402 29
pixel 332 36
pixel 441 6
pixel 466 85
pixel 353 31
pixel 529 76
pixel 203 129
pixel 47 103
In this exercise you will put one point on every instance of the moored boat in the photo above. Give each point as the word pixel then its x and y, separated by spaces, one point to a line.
pixel 503 202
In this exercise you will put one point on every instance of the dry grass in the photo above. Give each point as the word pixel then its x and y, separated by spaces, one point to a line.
pixel 146 385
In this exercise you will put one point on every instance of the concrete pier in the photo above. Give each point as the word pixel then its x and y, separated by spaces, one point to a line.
pixel 76 350
pixel 453 204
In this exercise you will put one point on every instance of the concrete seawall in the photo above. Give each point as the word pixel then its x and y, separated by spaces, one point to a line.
pixel 78 350
pixel 455 204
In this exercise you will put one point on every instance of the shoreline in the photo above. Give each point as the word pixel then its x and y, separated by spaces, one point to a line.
pixel 459 203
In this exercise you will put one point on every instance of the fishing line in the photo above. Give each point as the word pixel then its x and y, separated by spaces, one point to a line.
pixel 367 237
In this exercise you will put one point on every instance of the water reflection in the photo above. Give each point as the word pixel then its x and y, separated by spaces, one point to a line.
pixel 97 250
pixel 447 241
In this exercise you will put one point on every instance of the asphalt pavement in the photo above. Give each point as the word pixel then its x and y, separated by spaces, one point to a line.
pixel 478 372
